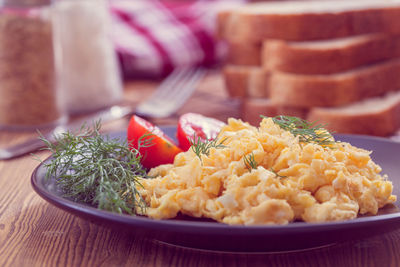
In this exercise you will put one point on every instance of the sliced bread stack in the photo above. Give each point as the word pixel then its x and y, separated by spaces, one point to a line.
pixel 335 62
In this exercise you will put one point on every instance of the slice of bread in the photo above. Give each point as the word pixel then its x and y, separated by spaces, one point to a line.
pixel 307 91
pixel 245 81
pixel 244 54
pixel 378 116
pixel 374 116
pixel 252 108
pixel 327 56
pixel 308 20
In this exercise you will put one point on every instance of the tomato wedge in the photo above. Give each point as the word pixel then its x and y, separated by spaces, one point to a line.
pixel 192 124
pixel 162 150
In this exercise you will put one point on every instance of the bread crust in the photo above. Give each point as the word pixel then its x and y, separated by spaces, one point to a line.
pixel 283 74
pixel 252 108
pixel 244 54
pixel 379 123
pixel 245 81
pixel 383 123
pixel 334 90
pixel 328 57
pixel 242 26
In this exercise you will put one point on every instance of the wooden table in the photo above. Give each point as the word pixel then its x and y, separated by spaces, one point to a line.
pixel 35 233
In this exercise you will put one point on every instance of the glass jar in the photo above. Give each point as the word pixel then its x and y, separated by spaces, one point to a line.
pixel 28 96
pixel 86 63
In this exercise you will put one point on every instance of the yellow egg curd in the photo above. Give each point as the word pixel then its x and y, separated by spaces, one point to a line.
pixel 288 180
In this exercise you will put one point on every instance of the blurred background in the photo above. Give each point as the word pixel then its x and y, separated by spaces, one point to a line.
pixel 64 59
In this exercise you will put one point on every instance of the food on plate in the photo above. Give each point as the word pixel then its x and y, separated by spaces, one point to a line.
pixel 91 168
pixel 283 171
pixel 153 144
pixel 192 126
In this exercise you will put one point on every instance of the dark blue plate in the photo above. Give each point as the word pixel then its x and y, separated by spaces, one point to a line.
pixel 206 234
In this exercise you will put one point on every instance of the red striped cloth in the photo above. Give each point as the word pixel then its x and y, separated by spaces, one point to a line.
pixel 153 37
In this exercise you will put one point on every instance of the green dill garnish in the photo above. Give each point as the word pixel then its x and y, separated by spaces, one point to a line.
pixel 308 132
pixel 145 140
pixel 91 168
pixel 250 162
pixel 276 174
pixel 200 146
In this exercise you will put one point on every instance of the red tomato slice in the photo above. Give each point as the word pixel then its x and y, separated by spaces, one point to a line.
pixel 162 151
pixel 192 124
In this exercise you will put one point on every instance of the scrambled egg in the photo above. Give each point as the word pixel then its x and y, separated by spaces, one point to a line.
pixel 290 180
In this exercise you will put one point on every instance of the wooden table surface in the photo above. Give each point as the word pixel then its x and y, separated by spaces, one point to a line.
pixel 36 233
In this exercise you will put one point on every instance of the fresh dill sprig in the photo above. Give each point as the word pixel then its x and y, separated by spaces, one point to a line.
pixel 202 147
pixel 95 169
pixel 250 162
pixel 146 140
pixel 308 132
pixel 276 174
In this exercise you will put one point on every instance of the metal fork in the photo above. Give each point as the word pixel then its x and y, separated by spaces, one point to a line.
pixel 171 94
pixel 167 99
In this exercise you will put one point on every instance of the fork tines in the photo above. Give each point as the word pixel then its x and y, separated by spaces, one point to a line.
pixel 172 93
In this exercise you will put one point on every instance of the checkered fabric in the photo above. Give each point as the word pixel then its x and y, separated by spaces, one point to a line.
pixel 153 37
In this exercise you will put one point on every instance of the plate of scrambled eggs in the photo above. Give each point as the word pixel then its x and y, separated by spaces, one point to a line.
pixel 263 189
